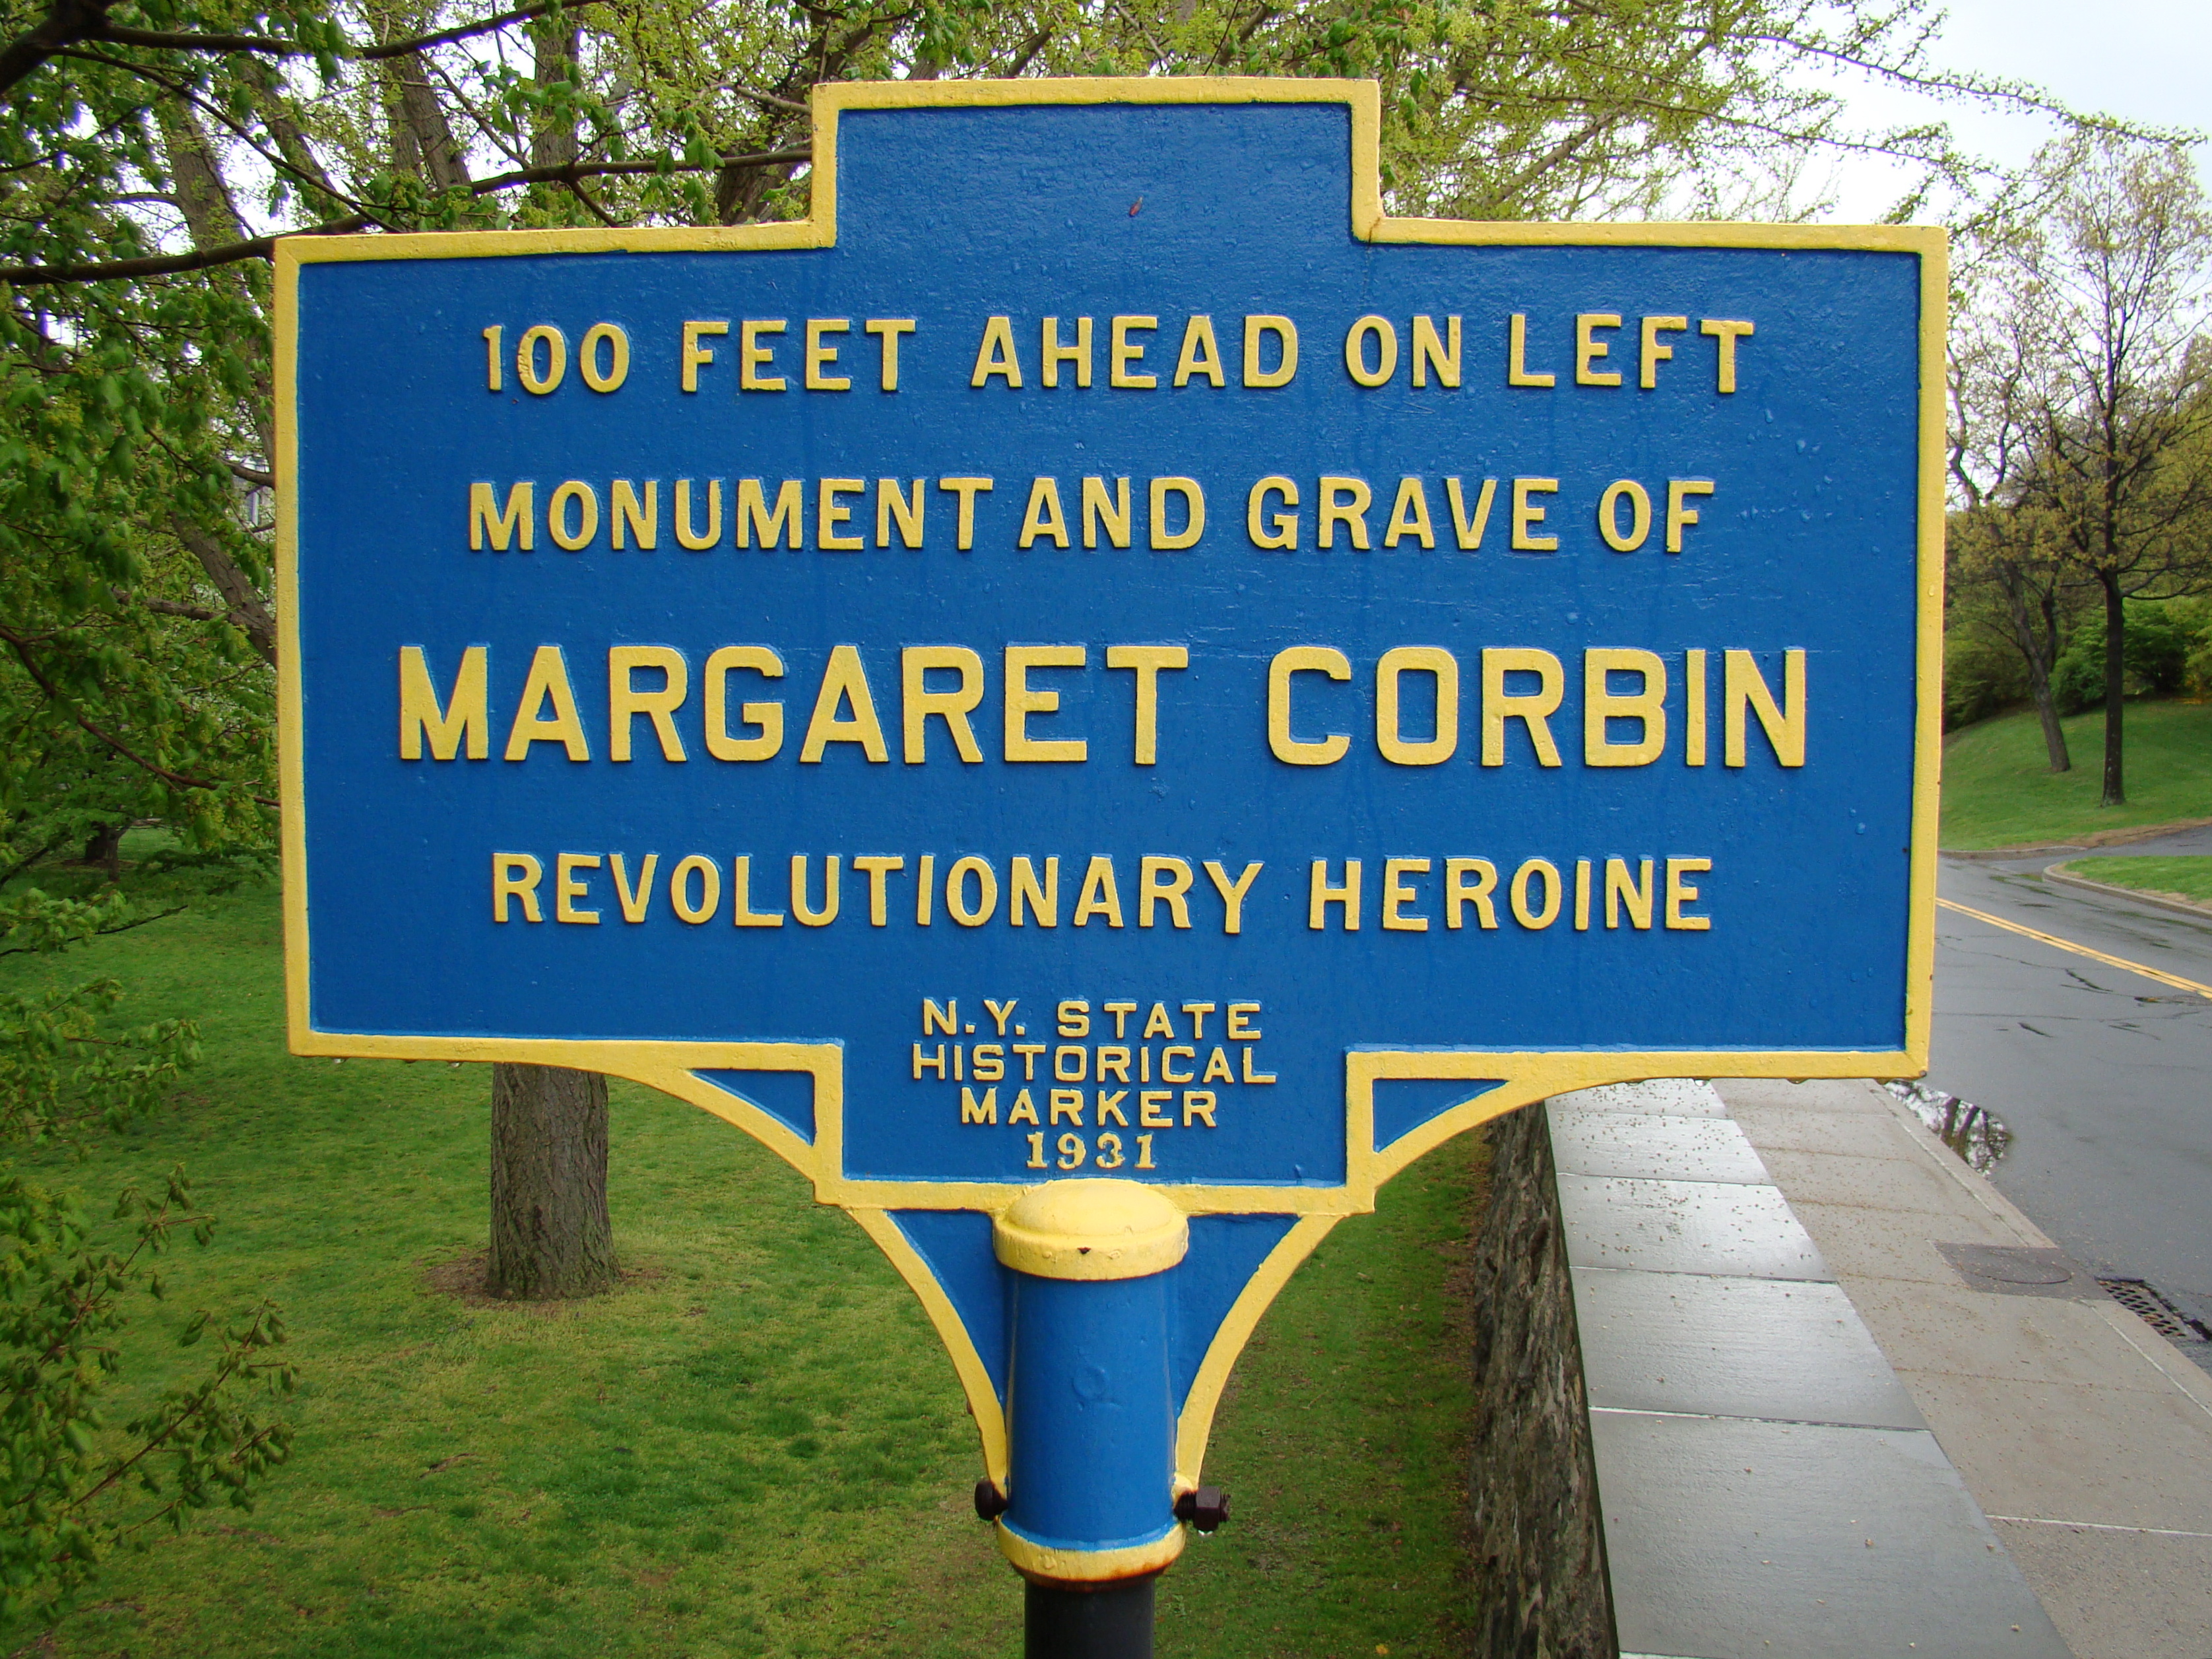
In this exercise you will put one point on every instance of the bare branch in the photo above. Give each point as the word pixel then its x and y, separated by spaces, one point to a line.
pixel 446 36
pixel 171 264
pixel 70 22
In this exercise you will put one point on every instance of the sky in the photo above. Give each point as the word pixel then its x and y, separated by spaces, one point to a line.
pixel 2147 61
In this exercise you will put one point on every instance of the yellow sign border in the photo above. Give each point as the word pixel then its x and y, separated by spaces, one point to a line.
pixel 670 1066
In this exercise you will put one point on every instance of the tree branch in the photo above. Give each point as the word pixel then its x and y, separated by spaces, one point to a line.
pixel 67 23
pixel 178 780
pixel 249 611
pixel 263 247
pixel 171 264
pixel 568 172
pixel 446 36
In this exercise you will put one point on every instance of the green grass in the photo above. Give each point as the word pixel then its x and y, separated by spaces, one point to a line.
pixel 756 1447
pixel 1998 789
pixel 2185 877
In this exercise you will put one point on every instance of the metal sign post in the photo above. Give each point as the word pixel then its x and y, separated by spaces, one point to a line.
pixel 1101 696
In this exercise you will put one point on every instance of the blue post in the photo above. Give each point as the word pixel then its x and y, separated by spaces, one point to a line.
pixel 1091 1423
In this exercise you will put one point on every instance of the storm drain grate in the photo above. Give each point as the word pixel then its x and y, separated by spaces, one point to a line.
pixel 2149 1305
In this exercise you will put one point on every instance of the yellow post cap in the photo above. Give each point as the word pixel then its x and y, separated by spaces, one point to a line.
pixel 1091 1230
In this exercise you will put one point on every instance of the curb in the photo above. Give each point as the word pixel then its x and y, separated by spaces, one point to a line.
pixel 2059 873
pixel 2089 843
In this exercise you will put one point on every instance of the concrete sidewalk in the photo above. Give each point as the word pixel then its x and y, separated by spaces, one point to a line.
pixel 2083 1435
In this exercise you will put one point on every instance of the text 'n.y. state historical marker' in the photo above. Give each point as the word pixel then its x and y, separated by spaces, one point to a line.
pixel 1101 696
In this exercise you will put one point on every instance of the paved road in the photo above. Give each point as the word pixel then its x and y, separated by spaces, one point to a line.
pixel 2104 1077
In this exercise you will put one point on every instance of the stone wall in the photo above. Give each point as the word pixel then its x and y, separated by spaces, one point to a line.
pixel 1540 1590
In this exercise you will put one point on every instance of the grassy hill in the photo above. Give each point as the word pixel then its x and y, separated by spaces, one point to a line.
pixel 754 1447
pixel 1999 791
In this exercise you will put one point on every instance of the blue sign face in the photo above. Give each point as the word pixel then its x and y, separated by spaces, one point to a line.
pixel 1101 654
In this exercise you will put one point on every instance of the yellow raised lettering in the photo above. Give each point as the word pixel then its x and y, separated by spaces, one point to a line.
pixel 1162 880
pixel 695 355
pixel 1727 332
pixel 1303 660
pixel 1468 531
pixel 1647 706
pixel 641 519
pixel 1379 330
pixel 516 876
pixel 887 331
pixel 1320 894
pixel 753 356
pixel 753 513
pixel 891 503
pixel 1516 355
pixel 1640 515
pixel 1536 871
pixel 830 513
pixel 844 684
pixel 1201 354
pixel 1469 881
pixel 1654 354
pixel 918 703
pixel 556 359
pixel 766 717
pixel 1097 509
pixel 1123 353
pixel 1636 895
pixel 995 354
pixel 1344 502
pixel 1042 901
pixel 1284 536
pixel 516 522
pixel 1043 516
pixel 1390 735
pixel 1589 350
pixel 625 701
pixel 1055 354
pixel 804 913
pixel 566 890
pixel 557 516
pixel 611 336
pixel 820 357
pixel 1743 688
pixel 1258 329
pixel 1533 709
pixel 1679 893
pixel 547 683
pixel 1526 515
pixel 466 715
pixel 1145 662
pixel 1100 896
pixel 1232 907
pixel 687 537
pixel 1429 350
pixel 1165 540
pixel 1396 895
pixel 1022 700
pixel 1409 515
pixel 967 489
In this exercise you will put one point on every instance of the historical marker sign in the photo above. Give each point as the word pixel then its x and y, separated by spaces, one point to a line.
pixel 1101 654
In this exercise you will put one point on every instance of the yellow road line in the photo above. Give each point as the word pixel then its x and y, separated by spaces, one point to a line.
pixel 2163 978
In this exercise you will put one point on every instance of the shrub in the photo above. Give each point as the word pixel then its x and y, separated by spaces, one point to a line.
pixel 2159 641
pixel 1982 677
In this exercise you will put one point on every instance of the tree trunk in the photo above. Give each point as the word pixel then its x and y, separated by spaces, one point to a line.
pixel 550 1236
pixel 2115 683
pixel 2039 677
pixel 103 847
pixel 2054 735
pixel 554 47
pixel 2039 650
